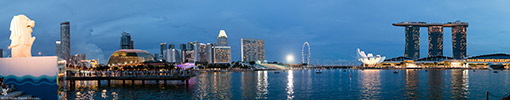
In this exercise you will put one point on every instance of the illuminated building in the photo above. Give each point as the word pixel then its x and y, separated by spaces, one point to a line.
pixel 65 38
pixel 369 59
pixel 203 52
pixel 252 50
pixel 222 38
pixel 210 52
pixel 58 49
pixel 435 38
pixel 221 52
pixel 459 41
pixel 412 48
pixel 435 41
pixel 163 48
pixel 484 61
pixel 77 60
pixel 183 52
pixel 173 55
pixel 126 42
pixel 129 56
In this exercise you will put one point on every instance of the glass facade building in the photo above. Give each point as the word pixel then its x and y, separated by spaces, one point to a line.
pixel 162 52
pixel 126 42
pixel 65 38
pixel 221 52
pixel 252 50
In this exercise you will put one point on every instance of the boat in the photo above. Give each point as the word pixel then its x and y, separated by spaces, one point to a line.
pixel 318 72
pixel 395 72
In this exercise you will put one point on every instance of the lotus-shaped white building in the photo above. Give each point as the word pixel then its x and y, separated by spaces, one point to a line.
pixel 369 59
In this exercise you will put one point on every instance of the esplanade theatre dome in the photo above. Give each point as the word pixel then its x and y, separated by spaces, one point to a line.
pixel 129 56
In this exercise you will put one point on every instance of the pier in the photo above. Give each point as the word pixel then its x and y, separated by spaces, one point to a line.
pixel 183 75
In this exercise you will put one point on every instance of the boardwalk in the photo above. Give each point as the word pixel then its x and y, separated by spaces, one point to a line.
pixel 183 75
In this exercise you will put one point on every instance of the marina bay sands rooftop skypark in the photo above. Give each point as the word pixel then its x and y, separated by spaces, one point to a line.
pixel 424 24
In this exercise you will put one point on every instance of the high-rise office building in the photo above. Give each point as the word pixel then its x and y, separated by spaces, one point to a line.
pixel 190 46
pixel 222 38
pixel 58 49
pixel 210 52
pixel 435 41
pixel 183 50
pixel 221 52
pixel 1 53
pixel 163 48
pixel 459 42
pixel 173 56
pixel 252 50
pixel 126 42
pixel 65 38
pixel 171 46
pixel 201 52
pixel 412 48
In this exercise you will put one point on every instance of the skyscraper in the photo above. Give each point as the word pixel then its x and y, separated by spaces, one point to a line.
pixel 171 46
pixel 1 53
pixel 163 48
pixel 201 52
pixel 58 49
pixel 412 35
pixel 221 52
pixel 222 38
pixel 173 55
pixel 183 52
pixel 412 48
pixel 191 46
pixel 126 42
pixel 435 41
pixel 459 42
pixel 252 50
pixel 65 38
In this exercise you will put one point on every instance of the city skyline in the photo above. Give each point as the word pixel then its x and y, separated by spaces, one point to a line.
pixel 332 28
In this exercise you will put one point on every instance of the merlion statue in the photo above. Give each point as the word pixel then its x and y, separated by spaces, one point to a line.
pixel 21 36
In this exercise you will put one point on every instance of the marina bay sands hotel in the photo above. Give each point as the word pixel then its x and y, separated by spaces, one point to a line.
pixel 412 35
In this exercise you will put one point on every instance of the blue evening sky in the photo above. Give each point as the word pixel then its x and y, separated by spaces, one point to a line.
pixel 334 28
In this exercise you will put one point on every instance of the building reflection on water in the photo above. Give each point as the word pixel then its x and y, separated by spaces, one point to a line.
pixel 370 84
pixel 438 82
pixel 217 85
pixel 262 85
pixel 460 84
pixel 294 84
pixel 412 83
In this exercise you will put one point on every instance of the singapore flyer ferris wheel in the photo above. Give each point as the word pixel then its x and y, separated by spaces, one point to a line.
pixel 305 55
